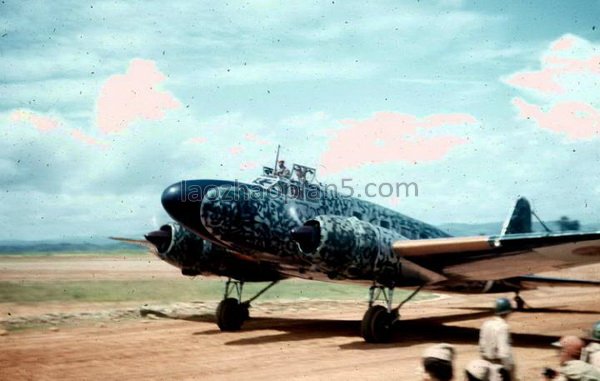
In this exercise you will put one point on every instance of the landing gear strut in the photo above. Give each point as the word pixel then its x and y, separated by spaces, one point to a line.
pixel 231 311
pixel 520 303
pixel 377 322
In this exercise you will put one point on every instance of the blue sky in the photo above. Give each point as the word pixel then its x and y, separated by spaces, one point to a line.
pixel 224 82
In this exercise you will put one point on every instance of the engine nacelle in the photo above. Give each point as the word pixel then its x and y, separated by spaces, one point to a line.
pixel 346 247
pixel 185 250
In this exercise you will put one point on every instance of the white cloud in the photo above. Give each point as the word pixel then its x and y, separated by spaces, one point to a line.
pixel 565 89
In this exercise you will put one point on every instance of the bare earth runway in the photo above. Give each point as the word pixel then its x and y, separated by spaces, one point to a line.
pixel 301 340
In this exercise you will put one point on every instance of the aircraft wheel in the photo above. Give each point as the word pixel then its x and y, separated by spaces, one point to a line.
pixel 245 311
pixel 231 314
pixel 376 325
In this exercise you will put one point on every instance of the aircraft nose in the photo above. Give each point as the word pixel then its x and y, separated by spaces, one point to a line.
pixel 181 204
pixel 182 201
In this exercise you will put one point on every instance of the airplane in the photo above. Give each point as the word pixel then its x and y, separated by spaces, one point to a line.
pixel 280 226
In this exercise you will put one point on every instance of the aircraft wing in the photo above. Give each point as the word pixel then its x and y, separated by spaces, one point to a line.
pixel 501 257
pixel 139 242
pixel 534 281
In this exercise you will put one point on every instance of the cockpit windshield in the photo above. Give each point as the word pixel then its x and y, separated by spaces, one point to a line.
pixel 295 184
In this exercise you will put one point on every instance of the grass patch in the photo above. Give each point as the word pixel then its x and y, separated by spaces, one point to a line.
pixel 173 290
pixel 107 253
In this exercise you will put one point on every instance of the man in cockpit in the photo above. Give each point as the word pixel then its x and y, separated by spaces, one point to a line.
pixel 282 170
pixel 300 174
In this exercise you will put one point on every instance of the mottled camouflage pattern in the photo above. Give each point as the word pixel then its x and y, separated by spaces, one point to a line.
pixel 351 248
pixel 184 248
pixel 195 256
pixel 258 223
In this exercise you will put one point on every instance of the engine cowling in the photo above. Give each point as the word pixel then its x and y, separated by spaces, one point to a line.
pixel 184 249
pixel 346 247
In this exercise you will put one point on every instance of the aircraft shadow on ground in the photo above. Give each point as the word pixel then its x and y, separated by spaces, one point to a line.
pixel 546 310
pixel 405 334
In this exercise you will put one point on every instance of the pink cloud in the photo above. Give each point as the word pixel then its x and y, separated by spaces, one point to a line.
pixel 198 140
pixel 542 81
pixel 561 60
pixel 248 165
pixel 565 65
pixel 577 120
pixel 389 137
pixel 47 124
pixel 82 137
pixel 235 150
pixel 563 43
pixel 42 123
pixel 125 98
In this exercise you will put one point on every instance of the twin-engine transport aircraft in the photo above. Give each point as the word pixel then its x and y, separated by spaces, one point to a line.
pixel 279 227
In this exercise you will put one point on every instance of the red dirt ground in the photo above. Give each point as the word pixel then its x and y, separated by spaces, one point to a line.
pixel 314 341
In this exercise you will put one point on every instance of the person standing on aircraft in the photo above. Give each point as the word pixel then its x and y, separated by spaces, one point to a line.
pixel 571 367
pixel 301 175
pixel 282 170
pixel 438 363
pixel 591 353
pixel 494 338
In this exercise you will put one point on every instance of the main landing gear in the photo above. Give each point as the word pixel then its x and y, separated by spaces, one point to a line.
pixel 231 311
pixel 377 322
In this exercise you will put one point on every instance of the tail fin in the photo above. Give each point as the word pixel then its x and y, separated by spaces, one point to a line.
pixel 520 219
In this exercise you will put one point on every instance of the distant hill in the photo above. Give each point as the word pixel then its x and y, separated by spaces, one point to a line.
pixel 103 244
pixel 66 245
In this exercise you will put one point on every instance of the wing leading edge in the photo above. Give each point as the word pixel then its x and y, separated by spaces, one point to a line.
pixel 501 257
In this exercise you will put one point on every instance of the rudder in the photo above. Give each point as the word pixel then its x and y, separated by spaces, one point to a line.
pixel 520 219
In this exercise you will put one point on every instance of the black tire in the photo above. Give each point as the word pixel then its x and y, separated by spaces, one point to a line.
pixel 245 311
pixel 376 325
pixel 230 315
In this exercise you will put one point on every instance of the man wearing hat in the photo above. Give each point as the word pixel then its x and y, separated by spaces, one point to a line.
pixel 591 353
pixel 438 363
pixel 494 338
pixel 571 367
pixel 483 370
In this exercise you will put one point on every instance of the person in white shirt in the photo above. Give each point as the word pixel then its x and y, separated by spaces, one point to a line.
pixel 591 353
pixel 494 338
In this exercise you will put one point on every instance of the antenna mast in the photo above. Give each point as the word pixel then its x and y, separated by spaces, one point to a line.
pixel 276 160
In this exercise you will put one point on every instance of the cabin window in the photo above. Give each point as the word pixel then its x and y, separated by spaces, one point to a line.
pixel 384 224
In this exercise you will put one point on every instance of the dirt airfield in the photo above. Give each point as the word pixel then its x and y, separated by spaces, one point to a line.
pixel 300 339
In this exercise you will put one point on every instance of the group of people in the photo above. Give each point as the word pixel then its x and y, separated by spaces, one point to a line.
pixel 283 172
pixel 578 361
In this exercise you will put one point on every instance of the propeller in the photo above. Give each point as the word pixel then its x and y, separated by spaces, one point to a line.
pixel 160 238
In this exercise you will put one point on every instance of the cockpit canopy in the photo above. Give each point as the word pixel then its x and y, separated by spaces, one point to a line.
pixel 299 185
pixel 299 172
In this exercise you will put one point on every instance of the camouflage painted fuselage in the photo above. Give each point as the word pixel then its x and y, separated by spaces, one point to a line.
pixel 256 219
